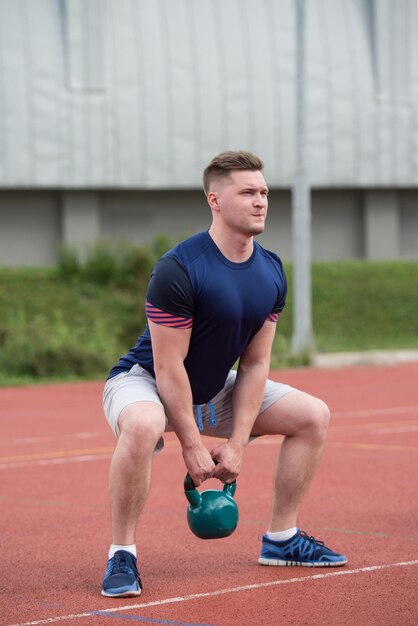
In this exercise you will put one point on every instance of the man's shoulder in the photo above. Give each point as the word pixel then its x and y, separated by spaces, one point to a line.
pixel 190 249
pixel 271 257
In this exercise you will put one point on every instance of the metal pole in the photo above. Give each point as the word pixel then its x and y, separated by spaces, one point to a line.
pixel 302 340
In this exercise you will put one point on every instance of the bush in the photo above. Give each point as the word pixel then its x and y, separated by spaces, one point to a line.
pixel 77 320
pixel 44 346
pixel 134 266
pixel 162 244
pixel 101 265
pixel 122 265
pixel 68 263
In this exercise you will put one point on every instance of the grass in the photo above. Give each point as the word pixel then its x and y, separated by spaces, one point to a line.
pixel 366 305
pixel 55 328
pixel 357 306
pixel 50 328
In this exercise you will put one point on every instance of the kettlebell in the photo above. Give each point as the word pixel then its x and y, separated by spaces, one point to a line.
pixel 211 514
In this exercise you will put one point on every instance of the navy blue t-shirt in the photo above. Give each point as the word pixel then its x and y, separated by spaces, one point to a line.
pixel 225 303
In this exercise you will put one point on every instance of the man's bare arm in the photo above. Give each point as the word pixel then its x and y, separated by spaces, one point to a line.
pixel 170 347
pixel 247 397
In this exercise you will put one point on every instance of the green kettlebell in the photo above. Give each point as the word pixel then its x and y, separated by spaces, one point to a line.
pixel 211 514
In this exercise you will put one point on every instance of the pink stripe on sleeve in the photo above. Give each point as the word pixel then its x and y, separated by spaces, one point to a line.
pixel 273 317
pixel 158 316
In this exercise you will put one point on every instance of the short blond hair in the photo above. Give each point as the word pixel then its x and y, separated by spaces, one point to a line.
pixel 229 161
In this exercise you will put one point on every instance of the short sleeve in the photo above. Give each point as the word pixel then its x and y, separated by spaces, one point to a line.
pixel 281 297
pixel 170 298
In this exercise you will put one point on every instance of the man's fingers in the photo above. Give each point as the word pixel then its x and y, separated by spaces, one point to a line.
pixel 225 474
pixel 200 477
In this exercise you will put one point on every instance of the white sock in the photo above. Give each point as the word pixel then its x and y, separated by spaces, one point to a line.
pixel 282 535
pixel 114 548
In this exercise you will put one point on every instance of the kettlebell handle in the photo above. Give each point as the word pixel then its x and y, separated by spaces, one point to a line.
pixel 188 483
pixel 190 486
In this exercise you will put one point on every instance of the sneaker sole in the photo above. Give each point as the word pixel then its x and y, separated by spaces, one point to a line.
pixel 280 563
pixel 121 594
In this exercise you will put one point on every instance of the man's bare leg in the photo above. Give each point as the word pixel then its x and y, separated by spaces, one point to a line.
pixel 303 420
pixel 141 425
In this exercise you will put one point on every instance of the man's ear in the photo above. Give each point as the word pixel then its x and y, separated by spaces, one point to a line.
pixel 213 200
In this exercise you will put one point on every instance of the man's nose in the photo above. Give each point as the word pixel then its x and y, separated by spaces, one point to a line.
pixel 260 199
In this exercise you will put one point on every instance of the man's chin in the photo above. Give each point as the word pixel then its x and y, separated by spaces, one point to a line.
pixel 257 230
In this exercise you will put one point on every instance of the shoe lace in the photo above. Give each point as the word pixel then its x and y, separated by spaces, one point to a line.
pixel 314 543
pixel 310 538
pixel 120 564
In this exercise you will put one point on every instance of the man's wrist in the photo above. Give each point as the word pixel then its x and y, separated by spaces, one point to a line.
pixel 237 442
pixel 191 442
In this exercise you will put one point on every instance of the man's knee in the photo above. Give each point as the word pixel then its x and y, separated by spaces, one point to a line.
pixel 142 424
pixel 317 416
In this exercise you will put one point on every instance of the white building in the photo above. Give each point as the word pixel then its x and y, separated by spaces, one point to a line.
pixel 110 110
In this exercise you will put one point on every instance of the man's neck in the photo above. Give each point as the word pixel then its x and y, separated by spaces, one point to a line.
pixel 236 247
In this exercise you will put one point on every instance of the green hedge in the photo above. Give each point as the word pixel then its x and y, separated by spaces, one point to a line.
pixel 75 320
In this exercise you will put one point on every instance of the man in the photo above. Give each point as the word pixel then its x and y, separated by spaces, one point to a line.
pixel 211 300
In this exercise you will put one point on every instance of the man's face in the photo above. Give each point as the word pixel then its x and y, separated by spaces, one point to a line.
pixel 241 201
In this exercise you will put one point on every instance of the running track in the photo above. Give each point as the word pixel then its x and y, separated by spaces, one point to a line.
pixel 54 456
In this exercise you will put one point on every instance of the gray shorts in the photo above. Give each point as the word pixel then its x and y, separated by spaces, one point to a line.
pixel 137 385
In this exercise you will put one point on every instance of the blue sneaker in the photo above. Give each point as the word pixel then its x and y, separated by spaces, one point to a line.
pixel 121 578
pixel 299 550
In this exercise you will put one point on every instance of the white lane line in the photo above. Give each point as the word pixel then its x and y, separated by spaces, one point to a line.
pixel 369 412
pixel 81 435
pixel 261 440
pixel 398 429
pixel 218 592
pixel 74 459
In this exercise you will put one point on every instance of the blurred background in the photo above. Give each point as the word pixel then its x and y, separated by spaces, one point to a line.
pixel 110 110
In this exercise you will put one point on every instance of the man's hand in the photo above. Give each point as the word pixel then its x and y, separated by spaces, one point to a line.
pixel 199 464
pixel 228 458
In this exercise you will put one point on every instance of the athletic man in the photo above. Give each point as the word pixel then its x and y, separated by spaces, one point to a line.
pixel 213 299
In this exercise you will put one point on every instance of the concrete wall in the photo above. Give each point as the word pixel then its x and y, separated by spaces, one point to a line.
pixel 142 93
pixel 408 201
pixel 337 225
pixel 98 99
pixel 368 224
pixel 30 228
pixel 140 215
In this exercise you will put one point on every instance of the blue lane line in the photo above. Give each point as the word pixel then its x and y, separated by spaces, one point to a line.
pixel 151 620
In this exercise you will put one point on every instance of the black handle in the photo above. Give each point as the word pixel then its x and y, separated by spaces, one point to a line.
pixel 188 483
pixel 190 486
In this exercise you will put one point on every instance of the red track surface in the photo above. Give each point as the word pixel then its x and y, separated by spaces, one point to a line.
pixel 54 455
